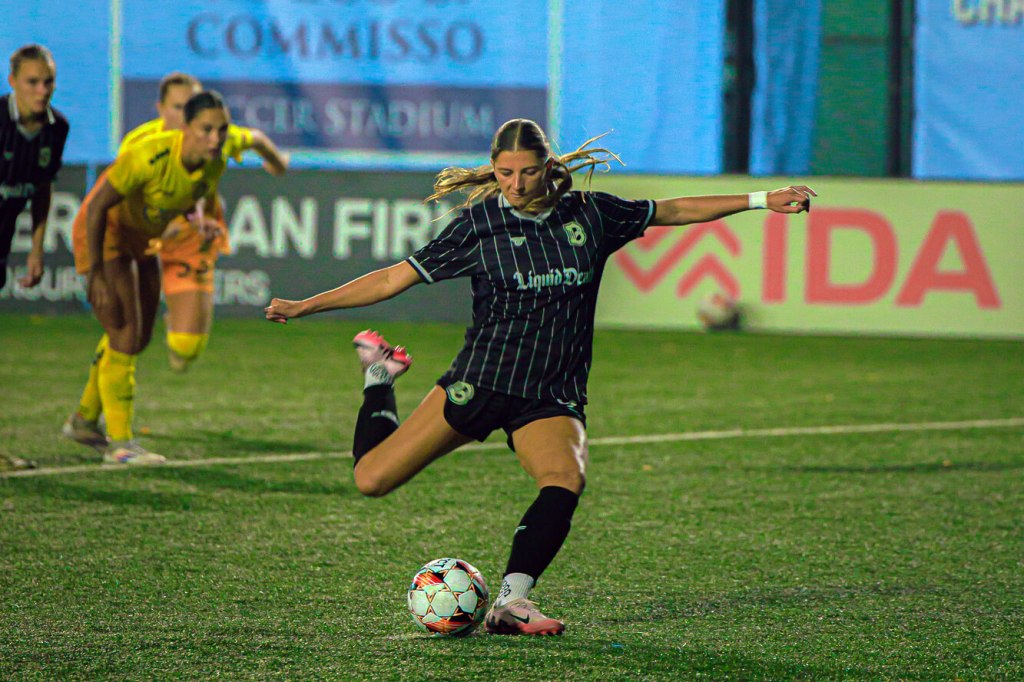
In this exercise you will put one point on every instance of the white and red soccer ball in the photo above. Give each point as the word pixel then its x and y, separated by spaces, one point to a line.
pixel 448 597
pixel 717 311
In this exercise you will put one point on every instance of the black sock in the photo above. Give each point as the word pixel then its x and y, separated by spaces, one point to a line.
pixel 542 531
pixel 378 419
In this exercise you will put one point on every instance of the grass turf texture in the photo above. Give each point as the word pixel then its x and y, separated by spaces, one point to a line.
pixel 885 555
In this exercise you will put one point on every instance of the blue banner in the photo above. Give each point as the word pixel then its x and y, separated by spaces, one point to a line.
pixel 969 90
pixel 397 84
pixel 649 71
pixel 470 43
pixel 787 46
pixel 370 76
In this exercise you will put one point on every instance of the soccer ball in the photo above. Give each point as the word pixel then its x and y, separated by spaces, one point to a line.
pixel 718 311
pixel 448 597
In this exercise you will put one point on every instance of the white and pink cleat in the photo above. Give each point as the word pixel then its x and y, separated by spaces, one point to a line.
pixel 381 361
pixel 521 617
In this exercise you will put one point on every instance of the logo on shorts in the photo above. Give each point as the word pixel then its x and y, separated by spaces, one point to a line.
pixel 460 392
pixel 573 230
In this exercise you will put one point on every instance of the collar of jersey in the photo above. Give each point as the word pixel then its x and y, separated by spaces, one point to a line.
pixel 539 218
pixel 12 109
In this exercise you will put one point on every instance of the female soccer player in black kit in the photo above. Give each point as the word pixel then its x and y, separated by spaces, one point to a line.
pixel 32 137
pixel 535 252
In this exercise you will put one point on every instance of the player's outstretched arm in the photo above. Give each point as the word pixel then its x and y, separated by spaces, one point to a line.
pixel 687 210
pixel 375 287
pixel 275 161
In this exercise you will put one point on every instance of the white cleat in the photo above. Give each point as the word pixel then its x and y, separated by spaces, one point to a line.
pixel 130 453
pixel 521 617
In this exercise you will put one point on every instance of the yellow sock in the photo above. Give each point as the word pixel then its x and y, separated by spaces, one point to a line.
pixel 117 391
pixel 185 348
pixel 90 405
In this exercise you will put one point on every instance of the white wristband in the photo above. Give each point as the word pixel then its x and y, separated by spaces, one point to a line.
pixel 757 200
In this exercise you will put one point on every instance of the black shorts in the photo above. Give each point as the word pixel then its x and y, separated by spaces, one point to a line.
pixel 476 412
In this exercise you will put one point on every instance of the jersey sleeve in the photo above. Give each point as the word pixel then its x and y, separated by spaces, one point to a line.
pixel 129 171
pixel 238 141
pixel 622 220
pixel 453 253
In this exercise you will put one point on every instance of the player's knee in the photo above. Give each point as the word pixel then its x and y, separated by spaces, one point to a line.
pixel 128 343
pixel 370 483
pixel 186 346
pixel 573 480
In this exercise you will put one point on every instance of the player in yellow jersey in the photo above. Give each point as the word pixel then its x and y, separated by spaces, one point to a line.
pixel 151 183
pixel 187 261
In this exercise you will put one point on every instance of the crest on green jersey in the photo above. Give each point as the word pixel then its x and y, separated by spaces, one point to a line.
pixel 460 392
pixel 573 230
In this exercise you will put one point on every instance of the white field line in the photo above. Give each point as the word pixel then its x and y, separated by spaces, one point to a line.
pixel 594 442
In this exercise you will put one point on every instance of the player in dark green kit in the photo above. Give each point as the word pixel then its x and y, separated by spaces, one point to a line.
pixel 535 252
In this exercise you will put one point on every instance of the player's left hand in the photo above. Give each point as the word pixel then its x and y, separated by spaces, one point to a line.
pixel 795 199
pixel 281 310
pixel 35 271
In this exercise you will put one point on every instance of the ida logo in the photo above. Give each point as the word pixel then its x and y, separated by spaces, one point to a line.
pixel 951 232
pixel 951 237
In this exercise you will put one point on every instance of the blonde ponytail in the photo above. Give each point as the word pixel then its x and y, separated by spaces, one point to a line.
pixel 479 183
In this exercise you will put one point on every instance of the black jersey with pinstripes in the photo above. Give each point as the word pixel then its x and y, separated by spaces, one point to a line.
pixel 535 282
pixel 28 162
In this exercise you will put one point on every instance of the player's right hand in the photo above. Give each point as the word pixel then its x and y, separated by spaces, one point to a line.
pixel 281 310
pixel 96 290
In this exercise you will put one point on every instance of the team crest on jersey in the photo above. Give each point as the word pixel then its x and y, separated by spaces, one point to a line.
pixel 199 189
pixel 44 156
pixel 518 241
pixel 460 392
pixel 573 230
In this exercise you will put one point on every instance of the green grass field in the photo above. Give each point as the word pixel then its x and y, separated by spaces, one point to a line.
pixel 893 554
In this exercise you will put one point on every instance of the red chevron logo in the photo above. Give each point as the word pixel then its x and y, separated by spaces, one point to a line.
pixel 708 265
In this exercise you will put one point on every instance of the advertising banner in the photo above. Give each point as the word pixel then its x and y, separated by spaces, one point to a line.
pixel 968 92
pixel 370 77
pixel 291 238
pixel 872 256
pixel 397 84
pixel 314 231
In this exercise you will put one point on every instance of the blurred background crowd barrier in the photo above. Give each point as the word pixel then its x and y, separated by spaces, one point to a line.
pixel 903 115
